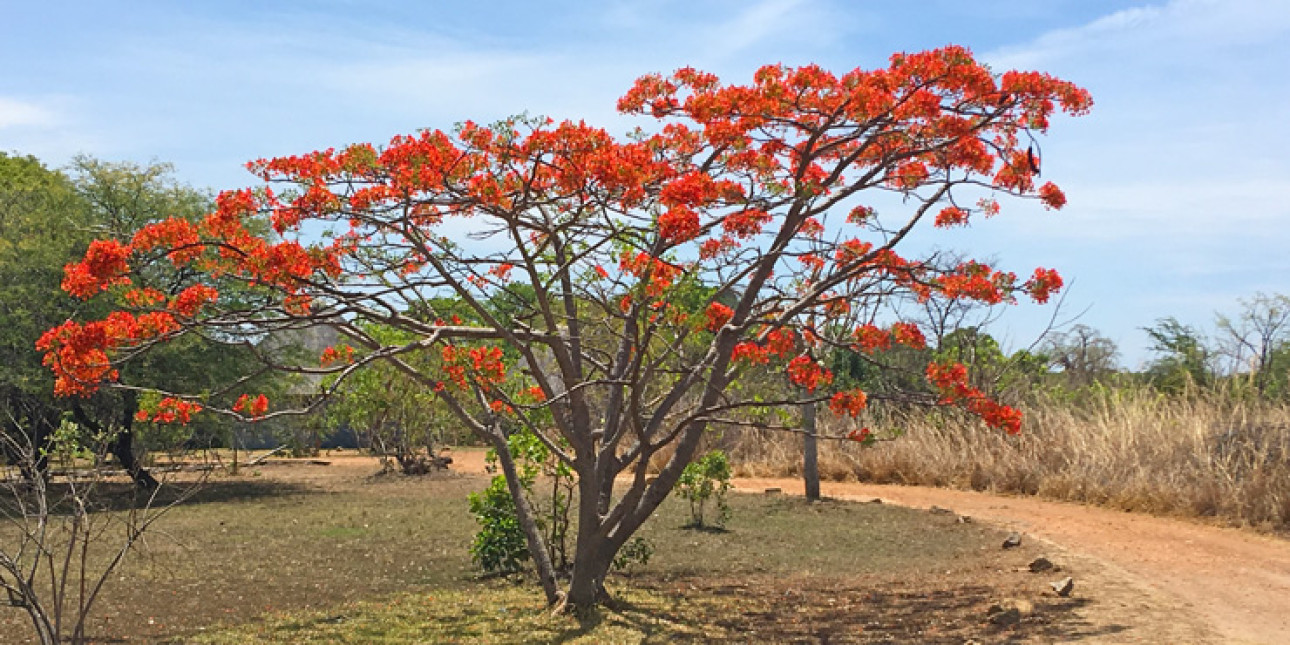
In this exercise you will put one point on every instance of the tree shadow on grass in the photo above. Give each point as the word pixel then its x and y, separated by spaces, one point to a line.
pixel 124 496
pixel 705 610
pixel 704 528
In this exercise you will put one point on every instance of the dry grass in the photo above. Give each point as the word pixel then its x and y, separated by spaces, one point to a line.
pixel 1202 455
pixel 300 552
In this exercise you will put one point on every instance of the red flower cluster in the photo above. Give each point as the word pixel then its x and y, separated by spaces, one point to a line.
pixel 78 353
pixel 105 265
pixel 745 223
pixel 253 407
pixel 717 316
pixel 1043 284
pixel 169 410
pixel 191 300
pixel 870 338
pixel 952 382
pixel 852 251
pixel 851 402
pixel 976 281
pixel 337 354
pixel 180 238
pixel 679 224
pixel 805 372
pixel 660 274
pixel 1052 196
pixel 951 216
pixel 483 365
pixel 502 271
pixel 778 342
pixel 862 435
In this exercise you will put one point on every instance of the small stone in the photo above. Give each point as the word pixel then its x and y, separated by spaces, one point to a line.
pixel 937 510
pixel 1013 541
pixel 1041 564
pixel 963 519
pixel 1004 617
pixel 1064 586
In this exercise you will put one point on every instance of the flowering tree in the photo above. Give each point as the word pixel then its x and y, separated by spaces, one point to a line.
pixel 616 288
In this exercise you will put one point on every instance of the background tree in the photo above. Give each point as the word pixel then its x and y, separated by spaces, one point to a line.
pixel 47 217
pixel 749 190
pixel 1256 340
pixel 1082 354
pixel 1185 358
pixel 397 416
pixel 43 223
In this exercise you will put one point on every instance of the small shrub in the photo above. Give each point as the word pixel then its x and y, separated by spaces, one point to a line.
pixel 499 546
pixel 706 479
pixel 637 551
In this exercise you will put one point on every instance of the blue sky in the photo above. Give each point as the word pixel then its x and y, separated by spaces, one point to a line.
pixel 1178 181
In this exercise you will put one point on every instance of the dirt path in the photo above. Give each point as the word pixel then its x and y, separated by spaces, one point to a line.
pixel 1194 582
pixel 1236 582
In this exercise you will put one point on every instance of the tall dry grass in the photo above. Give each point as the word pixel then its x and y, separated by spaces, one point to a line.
pixel 1202 454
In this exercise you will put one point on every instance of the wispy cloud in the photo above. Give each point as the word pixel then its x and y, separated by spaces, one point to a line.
pixel 1171 179
pixel 15 113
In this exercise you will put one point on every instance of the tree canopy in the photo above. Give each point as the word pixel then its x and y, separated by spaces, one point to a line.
pixel 641 276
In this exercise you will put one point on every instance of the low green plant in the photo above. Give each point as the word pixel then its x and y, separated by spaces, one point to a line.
pixel 500 545
pixel 706 479
pixel 638 550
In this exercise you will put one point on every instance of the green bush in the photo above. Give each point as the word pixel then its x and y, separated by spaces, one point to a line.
pixel 499 546
pixel 706 479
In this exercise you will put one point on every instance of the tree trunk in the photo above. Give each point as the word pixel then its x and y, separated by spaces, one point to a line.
pixel 123 446
pixel 123 449
pixel 810 453
pixel 524 513
pixel 593 551
pixel 591 562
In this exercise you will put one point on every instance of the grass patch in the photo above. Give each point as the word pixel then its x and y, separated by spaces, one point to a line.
pixel 334 555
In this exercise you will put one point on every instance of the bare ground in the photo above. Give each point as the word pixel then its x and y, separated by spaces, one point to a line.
pixel 1170 580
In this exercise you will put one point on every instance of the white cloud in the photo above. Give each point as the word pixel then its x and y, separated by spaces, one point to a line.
pixel 15 113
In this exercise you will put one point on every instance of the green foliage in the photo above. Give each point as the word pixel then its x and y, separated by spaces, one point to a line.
pixel 1184 356
pixel 500 545
pixel 706 479
pixel 396 415
pixel 638 550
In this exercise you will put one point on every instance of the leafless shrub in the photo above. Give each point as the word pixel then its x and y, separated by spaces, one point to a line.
pixel 63 532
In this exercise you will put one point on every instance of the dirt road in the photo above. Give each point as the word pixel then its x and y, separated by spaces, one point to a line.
pixel 1191 582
